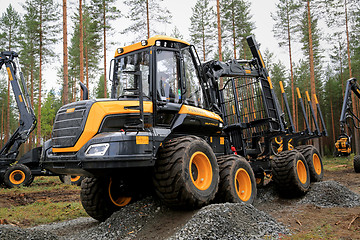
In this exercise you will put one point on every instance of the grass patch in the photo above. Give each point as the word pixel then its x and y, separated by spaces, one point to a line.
pixel 338 163
pixel 318 232
pixel 41 183
pixel 42 212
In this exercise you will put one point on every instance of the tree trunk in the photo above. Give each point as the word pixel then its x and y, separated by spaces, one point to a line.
pixel 291 66
pixel 233 28
pixel 312 69
pixel 81 46
pixel 105 84
pixel 203 39
pixel 65 55
pixel 40 79
pixel 356 133
pixel 147 19
pixel 7 131
pixel 2 125
pixel 332 120
pixel 219 35
pixel 31 137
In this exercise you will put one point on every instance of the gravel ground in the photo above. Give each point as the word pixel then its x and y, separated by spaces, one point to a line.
pixel 8 232
pixel 149 219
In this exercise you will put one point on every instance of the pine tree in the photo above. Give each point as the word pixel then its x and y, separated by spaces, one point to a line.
pixel 65 56
pixel 237 25
pixel 202 30
pixel 144 15
pixel 43 20
pixel 10 24
pixel 49 109
pixel 285 25
pixel 104 11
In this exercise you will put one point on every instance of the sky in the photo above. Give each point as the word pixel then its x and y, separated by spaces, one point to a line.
pixel 181 11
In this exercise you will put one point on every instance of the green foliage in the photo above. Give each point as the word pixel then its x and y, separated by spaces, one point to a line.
pixel 237 25
pixel 286 20
pixel 49 109
pixel 99 89
pixel 9 28
pixel 158 14
pixel 203 30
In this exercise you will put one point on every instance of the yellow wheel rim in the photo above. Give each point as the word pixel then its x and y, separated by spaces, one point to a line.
pixel 200 171
pixel 75 178
pixel 301 171
pixel 243 184
pixel 279 140
pixel 317 164
pixel 17 177
pixel 119 201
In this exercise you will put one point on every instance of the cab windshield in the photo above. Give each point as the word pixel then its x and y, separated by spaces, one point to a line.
pixel 133 74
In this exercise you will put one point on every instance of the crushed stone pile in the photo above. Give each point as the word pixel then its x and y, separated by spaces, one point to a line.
pixel 17 233
pixel 330 194
pixel 125 223
pixel 231 221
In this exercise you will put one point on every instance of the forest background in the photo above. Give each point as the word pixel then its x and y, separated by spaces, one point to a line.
pixel 316 48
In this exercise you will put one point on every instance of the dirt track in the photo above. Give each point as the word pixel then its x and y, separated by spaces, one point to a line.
pixel 148 219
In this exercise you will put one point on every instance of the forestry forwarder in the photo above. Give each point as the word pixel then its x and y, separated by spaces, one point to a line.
pixel 168 127
pixel 343 144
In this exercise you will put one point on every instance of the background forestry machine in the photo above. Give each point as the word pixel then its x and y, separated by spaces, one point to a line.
pixel 18 170
pixel 168 127
pixel 23 171
pixel 348 119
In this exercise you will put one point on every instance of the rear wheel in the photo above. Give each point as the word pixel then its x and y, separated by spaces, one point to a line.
pixel 237 180
pixel 357 163
pixel 101 197
pixel 186 173
pixel 291 173
pixel 18 175
pixel 313 159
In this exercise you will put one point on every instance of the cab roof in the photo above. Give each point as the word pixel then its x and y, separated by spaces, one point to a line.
pixel 146 43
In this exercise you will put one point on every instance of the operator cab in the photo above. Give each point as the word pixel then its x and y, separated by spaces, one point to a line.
pixel 161 70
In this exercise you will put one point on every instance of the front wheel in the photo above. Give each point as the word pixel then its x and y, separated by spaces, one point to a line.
pixel 101 197
pixel 237 180
pixel 18 175
pixel 186 173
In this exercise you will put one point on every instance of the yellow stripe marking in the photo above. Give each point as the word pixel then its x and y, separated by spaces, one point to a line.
pixel 307 96
pixel 9 73
pixel 298 92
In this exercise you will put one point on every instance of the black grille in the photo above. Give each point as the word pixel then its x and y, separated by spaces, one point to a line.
pixel 69 123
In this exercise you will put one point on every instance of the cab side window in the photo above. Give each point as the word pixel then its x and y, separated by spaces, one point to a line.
pixel 168 76
pixel 193 94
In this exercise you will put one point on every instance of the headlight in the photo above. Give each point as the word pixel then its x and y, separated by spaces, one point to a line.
pixel 97 149
pixel 221 125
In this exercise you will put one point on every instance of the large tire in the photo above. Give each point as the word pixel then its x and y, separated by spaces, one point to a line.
pixel 62 178
pixel 18 175
pixel 314 161
pixel 186 173
pixel 291 173
pixel 76 180
pixel 357 163
pixel 237 180
pixel 100 199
